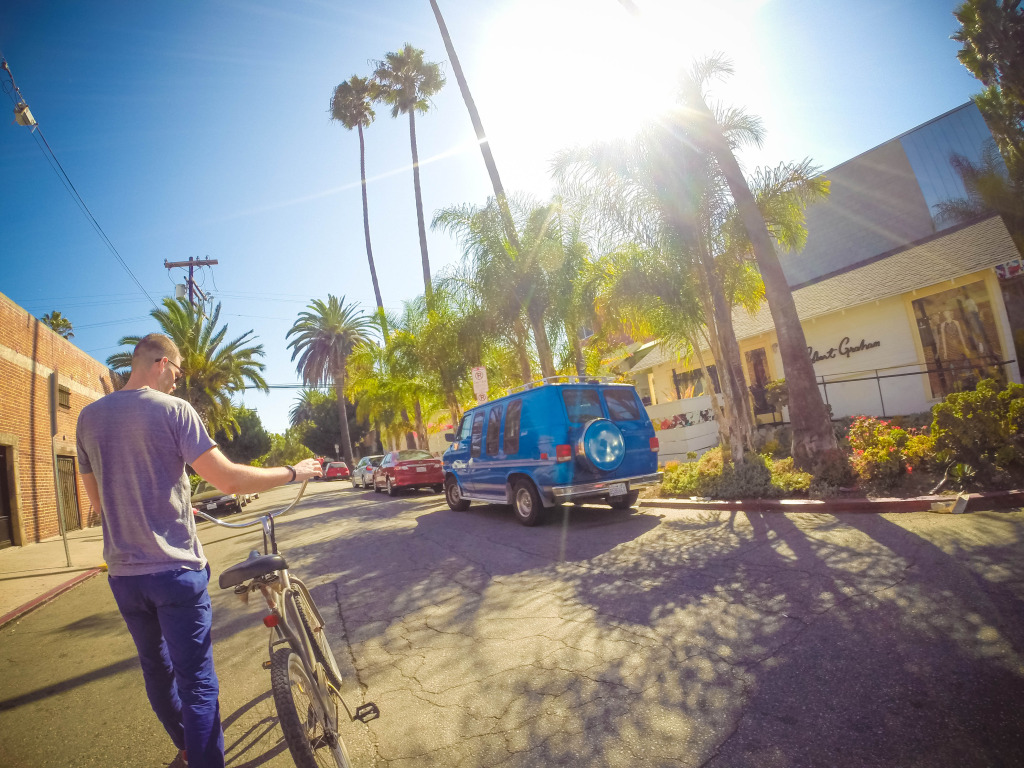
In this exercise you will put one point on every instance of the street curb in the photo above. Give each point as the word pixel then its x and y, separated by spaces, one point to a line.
pixel 46 597
pixel 976 502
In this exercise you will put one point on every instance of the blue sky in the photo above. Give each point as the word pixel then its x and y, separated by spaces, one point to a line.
pixel 201 129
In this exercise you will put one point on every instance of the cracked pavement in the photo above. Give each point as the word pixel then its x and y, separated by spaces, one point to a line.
pixel 654 638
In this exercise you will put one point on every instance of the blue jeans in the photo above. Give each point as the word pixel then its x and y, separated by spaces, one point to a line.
pixel 169 616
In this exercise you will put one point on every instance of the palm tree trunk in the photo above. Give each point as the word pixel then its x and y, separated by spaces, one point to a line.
pixel 811 425
pixel 419 207
pixel 525 370
pixel 577 350
pixel 481 136
pixel 366 229
pixel 421 429
pixel 346 441
pixel 540 339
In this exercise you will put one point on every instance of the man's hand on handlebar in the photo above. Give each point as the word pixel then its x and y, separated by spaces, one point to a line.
pixel 307 469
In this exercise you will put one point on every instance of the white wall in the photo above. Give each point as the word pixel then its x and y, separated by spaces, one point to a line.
pixel 675 442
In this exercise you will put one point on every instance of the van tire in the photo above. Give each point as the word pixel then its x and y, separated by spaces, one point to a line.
pixel 526 503
pixel 453 495
pixel 624 502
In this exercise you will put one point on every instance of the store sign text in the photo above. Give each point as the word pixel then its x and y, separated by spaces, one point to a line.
pixel 844 349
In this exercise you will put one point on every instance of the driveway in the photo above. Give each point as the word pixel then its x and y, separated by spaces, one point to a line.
pixel 654 638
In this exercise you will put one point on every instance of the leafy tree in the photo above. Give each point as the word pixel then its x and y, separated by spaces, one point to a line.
pixel 406 83
pixel 286 449
pixel 324 338
pixel 212 369
pixel 321 431
pixel 249 443
pixel 352 106
pixel 58 323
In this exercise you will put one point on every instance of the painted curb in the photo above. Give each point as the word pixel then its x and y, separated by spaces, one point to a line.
pixel 976 502
pixel 46 597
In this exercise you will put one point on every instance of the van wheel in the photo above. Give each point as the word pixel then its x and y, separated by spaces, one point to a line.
pixel 526 503
pixel 624 502
pixel 453 495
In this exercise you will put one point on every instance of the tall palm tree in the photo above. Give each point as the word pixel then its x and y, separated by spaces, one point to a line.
pixel 478 127
pixel 990 188
pixel 352 106
pixel 304 406
pixel 58 323
pixel 324 338
pixel 406 83
pixel 212 370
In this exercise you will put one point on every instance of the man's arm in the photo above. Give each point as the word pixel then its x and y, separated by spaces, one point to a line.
pixel 92 490
pixel 223 474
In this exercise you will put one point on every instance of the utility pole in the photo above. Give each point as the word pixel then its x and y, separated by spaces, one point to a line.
pixel 192 263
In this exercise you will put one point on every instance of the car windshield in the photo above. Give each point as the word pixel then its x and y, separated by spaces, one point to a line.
pixel 335 465
pixel 413 455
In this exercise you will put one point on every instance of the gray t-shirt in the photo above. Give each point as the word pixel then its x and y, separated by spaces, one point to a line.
pixel 137 442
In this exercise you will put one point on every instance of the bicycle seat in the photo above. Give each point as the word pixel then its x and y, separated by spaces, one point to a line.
pixel 255 565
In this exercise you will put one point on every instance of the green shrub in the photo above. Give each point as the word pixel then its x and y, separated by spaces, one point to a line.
pixel 878 452
pixel 983 429
pixel 787 478
pixel 757 477
pixel 194 481
pixel 832 470
pixel 750 480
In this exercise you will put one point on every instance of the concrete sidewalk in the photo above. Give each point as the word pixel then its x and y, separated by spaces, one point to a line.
pixel 32 575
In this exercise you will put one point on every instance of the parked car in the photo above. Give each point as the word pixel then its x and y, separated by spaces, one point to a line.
pixel 362 475
pixel 567 439
pixel 408 469
pixel 336 470
pixel 212 500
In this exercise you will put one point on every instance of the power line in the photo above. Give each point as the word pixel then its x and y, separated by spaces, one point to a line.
pixel 24 117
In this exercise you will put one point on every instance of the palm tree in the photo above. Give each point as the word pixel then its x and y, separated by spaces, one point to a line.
pixel 990 188
pixel 59 324
pixel 810 420
pixel 212 370
pixel 351 105
pixel 478 127
pixel 406 82
pixel 325 336
pixel 304 406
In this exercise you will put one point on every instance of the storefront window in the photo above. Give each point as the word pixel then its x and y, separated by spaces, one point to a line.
pixel 958 334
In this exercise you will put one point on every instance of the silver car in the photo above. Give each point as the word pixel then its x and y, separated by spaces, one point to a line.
pixel 362 475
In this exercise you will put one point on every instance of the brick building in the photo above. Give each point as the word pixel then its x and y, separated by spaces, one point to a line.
pixel 45 381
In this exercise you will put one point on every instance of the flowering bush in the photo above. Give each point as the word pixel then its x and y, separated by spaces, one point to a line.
pixel 879 451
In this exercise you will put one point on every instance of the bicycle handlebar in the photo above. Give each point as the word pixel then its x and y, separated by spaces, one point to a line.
pixel 258 520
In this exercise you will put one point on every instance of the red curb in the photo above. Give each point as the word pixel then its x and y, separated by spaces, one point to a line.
pixel 975 502
pixel 46 597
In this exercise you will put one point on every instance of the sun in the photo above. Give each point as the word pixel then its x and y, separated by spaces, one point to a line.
pixel 567 72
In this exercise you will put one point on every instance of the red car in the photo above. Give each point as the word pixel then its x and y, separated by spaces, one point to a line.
pixel 336 470
pixel 408 469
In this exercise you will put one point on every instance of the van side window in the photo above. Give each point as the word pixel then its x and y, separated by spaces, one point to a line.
pixel 465 428
pixel 493 428
pixel 476 446
pixel 622 405
pixel 582 405
pixel 515 409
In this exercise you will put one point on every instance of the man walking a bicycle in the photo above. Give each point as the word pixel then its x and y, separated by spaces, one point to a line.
pixel 133 446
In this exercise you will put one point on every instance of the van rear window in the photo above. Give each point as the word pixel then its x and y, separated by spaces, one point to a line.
pixel 622 405
pixel 582 405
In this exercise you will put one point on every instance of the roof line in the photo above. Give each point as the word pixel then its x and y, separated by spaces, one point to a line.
pixel 894 251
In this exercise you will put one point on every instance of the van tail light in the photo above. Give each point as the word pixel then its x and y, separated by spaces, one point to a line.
pixel 563 453
pixel 654 444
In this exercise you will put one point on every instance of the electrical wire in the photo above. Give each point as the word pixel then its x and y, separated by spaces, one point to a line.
pixel 68 184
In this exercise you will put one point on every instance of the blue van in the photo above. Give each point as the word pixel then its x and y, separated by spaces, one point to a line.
pixel 551 441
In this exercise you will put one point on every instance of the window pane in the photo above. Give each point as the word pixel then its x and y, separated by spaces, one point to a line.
pixel 515 408
pixel 467 423
pixel 582 405
pixel 622 405
pixel 476 446
pixel 413 455
pixel 493 428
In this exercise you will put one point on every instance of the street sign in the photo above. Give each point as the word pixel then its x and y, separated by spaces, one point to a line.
pixel 480 383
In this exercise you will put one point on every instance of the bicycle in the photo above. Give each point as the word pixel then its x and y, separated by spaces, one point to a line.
pixel 304 676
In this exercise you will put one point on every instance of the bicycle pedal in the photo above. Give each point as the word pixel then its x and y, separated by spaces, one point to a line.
pixel 367 712
pixel 266 664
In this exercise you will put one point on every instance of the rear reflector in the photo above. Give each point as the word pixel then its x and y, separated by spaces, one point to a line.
pixel 563 453
pixel 654 444
pixel 270 620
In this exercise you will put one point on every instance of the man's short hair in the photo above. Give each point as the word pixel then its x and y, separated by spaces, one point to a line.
pixel 153 347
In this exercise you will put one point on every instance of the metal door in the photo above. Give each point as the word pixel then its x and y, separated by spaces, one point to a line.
pixel 68 496
pixel 6 533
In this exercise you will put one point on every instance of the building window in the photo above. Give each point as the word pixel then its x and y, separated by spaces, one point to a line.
pixel 63 396
pixel 691 383
pixel 958 336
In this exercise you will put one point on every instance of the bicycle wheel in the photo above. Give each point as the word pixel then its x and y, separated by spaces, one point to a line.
pixel 301 714
pixel 321 648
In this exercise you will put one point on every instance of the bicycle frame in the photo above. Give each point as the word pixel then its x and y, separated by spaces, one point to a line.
pixel 277 587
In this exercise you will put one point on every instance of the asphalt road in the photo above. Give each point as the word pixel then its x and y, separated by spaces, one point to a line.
pixel 650 638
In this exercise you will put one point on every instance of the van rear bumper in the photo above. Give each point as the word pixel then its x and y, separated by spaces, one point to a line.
pixel 567 492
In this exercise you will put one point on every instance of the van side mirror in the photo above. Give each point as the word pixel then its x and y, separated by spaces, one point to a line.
pixel 449 437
